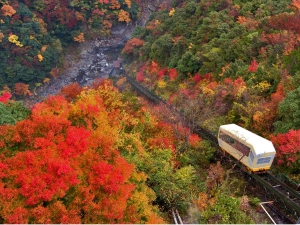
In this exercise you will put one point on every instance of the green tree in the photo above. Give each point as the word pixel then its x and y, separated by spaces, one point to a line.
pixel 289 113
pixel 177 51
pixel 170 186
pixel 13 112
pixel 49 59
pixel 160 49
pixel 189 63
pixel 225 210
pixel 213 60
pixel 291 61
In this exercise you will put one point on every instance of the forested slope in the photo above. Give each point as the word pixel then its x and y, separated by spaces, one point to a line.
pixel 234 61
pixel 64 163
pixel 107 157
pixel 94 155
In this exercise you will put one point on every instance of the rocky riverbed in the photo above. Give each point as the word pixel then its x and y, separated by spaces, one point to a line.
pixel 94 60
pixel 91 59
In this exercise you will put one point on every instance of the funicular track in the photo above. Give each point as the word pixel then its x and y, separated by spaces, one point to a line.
pixel 285 199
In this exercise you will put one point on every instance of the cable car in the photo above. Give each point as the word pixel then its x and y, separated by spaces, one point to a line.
pixel 252 150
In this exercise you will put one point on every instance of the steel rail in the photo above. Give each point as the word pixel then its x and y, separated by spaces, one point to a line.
pixel 261 205
pixel 176 217
pixel 283 219
pixel 280 189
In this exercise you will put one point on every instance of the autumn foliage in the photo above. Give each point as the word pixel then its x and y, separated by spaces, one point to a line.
pixel 21 89
pixel 139 76
pixel 80 37
pixel 71 91
pixel 7 10
pixel 287 146
pixel 5 97
pixel 62 165
pixel 1 36
pixel 54 72
pixel 124 16
pixel 296 4
pixel 253 66
pixel 131 44
pixel 173 74
pixel 263 118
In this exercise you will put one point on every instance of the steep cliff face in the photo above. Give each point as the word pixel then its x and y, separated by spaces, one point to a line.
pixel 149 7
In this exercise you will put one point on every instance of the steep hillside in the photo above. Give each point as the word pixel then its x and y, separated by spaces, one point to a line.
pixel 233 61
pixel 96 155
pixel 85 162
pixel 99 156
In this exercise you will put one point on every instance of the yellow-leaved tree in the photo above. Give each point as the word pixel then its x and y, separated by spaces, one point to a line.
pixel 1 36
pixel 128 3
pixel 114 4
pixel 124 16
pixel 79 38
pixel 7 10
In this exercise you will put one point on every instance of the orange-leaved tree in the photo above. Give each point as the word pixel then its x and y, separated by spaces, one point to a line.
pixel 70 91
pixel 62 164
pixel 7 10
pixel 21 89
pixel 79 38
pixel 124 16
pixel 131 44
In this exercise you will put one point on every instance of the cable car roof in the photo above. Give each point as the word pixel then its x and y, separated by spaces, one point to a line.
pixel 260 145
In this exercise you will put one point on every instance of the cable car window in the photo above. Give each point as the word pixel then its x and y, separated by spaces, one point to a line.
pixel 264 160
pixel 251 156
pixel 226 138
pixel 245 150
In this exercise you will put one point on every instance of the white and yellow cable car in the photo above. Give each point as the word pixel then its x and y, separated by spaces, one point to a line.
pixel 252 150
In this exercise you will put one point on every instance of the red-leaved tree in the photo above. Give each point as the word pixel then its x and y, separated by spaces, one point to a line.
pixel 5 97
pixel 287 148
pixel 253 66
pixel 62 165
pixel 70 91
pixel 131 44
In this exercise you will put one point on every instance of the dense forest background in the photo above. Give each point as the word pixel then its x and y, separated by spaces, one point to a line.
pixel 98 155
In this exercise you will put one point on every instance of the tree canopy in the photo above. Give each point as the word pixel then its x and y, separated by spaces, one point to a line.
pixel 236 60
pixel 33 33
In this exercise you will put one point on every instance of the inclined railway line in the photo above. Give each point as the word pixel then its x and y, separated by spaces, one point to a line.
pixel 286 200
